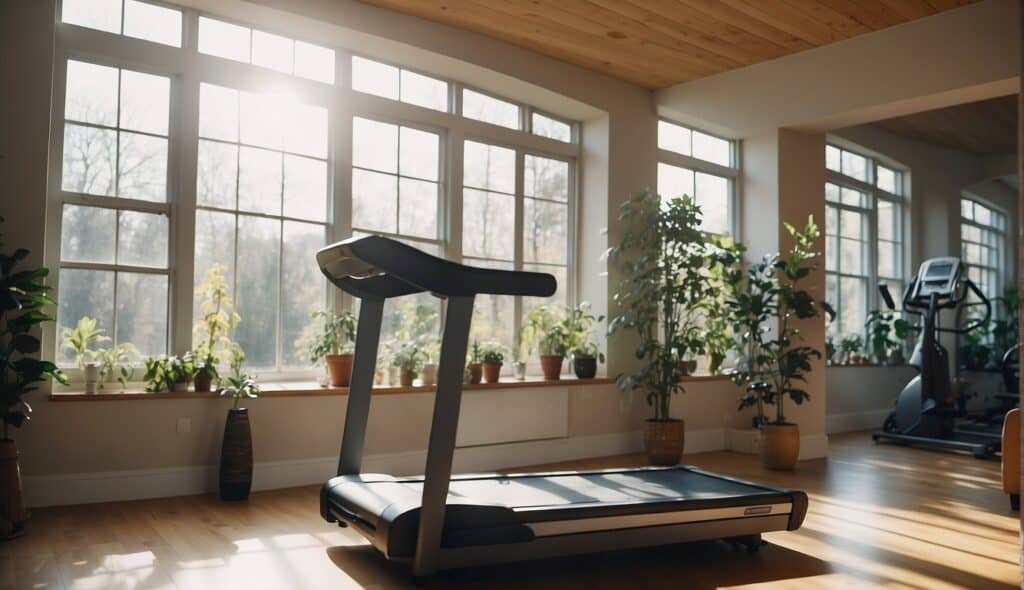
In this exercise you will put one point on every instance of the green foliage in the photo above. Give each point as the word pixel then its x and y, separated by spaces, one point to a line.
pixel 164 372
pixel 492 353
pixel 23 296
pixel 886 334
pixel 337 335
pixel 118 362
pixel 475 353
pixel 82 339
pixel 239 385
pixel 1004 328
pixel 775 364
pixel 665 262
pixel 218 319
pixel 546 329
pixel 409 357
pixel 580 325
pixel 851 344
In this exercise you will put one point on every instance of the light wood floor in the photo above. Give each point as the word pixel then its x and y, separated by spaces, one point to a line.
pixel 880 516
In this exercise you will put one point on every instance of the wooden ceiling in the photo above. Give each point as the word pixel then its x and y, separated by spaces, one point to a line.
pixel 659 43
pixel 985 128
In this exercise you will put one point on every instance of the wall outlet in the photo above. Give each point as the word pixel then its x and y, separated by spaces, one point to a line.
pixel 184 425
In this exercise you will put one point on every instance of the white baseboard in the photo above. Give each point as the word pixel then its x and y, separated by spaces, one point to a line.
pixel 869 420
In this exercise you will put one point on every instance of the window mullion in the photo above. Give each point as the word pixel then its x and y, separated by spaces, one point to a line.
pixel 183 173
pixel 517 251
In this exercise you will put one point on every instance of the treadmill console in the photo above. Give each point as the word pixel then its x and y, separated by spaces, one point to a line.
pixel 939 276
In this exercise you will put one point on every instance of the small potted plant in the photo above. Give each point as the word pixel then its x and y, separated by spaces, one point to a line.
pixel 493 358
pixel 235 481
pixel 475 366
pixel 585 353
pixel 23 296
pixel 409 359
pixel 830 350
pixel 849 349
pixel 334 346
pixel 428 373
pixel 117 363
pixel 81 340
pixel 157 374
pixel 585 359
pixel 518 364
pixel 182 370
pixel 549 332
pixel 211 331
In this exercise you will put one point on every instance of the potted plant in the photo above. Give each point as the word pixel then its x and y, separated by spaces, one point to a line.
pixel 235 481
pixel 663 259
pixel 493 357
pixel 585 353
pixel 886 335
pixel 849 349
pixel 409 359
pixel 23 295
pixel 549 332
pixel 474 364
pixel 334 346
pixel 81 340
pixel 428 373
pixel 117 363
pixel 775 361
pixel 518 364
pixel 213 329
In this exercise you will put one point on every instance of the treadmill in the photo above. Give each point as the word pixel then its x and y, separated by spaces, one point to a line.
pixel 440 521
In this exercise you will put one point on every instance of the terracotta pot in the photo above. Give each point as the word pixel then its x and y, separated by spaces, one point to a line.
pixel 406 376
pixel 491 372
pixel 378 377
pixel 476 372
pixel 663 441
pixel 179 386
pixel 339 367
pixel 12 509
pixel 780 446
pixel 236 456
pixel 204 380
pixel 551 366
pixel 585 367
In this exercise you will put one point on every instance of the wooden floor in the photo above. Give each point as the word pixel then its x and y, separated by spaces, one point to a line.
pixel 880 516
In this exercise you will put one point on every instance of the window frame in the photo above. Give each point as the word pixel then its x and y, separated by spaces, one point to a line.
pixel 187 68
pixel 1001 270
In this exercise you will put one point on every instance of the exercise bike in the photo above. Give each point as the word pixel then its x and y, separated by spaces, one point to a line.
pixel 927 409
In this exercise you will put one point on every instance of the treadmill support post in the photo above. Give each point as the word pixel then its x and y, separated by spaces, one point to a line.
pixel 360 388
pixel 443 429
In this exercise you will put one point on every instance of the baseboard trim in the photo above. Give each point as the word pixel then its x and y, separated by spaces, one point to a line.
pixel 856 421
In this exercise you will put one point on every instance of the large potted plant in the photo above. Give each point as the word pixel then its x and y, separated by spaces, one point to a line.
pixel 334 346
pixel 235 480
pixel 546 328
pixel 213 329
pixel 663 259
pixel 23 295
pixel 775 362
pixel 83 340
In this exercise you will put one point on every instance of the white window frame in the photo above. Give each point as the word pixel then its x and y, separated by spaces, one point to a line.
pixel 1003 266
pixel 187 68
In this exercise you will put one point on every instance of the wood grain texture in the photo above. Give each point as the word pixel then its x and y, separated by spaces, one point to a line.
pixel 659 43
pixel 879 516
pixel 985 128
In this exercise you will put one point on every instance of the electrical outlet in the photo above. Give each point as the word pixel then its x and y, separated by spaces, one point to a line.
pixel 184 425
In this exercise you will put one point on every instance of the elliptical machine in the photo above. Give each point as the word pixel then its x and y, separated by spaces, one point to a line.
pixel 926 409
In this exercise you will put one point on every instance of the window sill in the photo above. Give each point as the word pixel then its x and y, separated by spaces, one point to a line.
pixel 310 389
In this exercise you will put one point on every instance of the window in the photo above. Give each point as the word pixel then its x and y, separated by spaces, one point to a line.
pixel 983 247
pixel 396 83
pixel 864 246
pixel 546 126
pixel 488 109
pixel 699 165
pixel 113 205
pixel 134 19
pixel 274 52
pixel 262 204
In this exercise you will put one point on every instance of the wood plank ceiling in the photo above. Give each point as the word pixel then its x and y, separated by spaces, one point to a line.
pixel 985 128
pixel 659 43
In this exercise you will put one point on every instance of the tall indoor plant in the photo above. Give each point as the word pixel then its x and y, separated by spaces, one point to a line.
pixel 334 345
pixel 23 296
pixel 765 306
pixel 213 330
pixel 663 259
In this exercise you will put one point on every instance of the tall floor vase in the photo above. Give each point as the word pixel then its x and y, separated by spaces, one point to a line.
pixel 236 456
pixel 12 508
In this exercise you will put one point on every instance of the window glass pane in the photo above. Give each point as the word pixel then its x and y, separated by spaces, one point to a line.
pixel 982 215
pixel 104 15
pixel 145 102
pixel 852 197
pixel 420 154
pixel 887 263
pixel 852 224
pixel 712 149
pixel 259 180
pixel 832 296
pixel 855 166
pixel 90 156
pixel 851 256
pixel 713 199
pixel 831 192
pixel 674 181
pixel 314 62
pixel 888 220
pixel 886 179
pixel 853 295
pixel 304 290
pixel 374 201
pixel 87 234
pixel 545 178
pixel 489 109
pixel 272 51
pixel 374 78
pixel 561 277
pixel 488 224
pixel 215 244
pixel 91 95
pixel 489 167
pixel 142 167
pixel 223 39
pixel 544 231
pixel 374 145
pixel 142 311
pixel 305 188
pixel 674 138
pixel 152 23
pixel 84 293
pixel 493 316
pixel 217 174
pixel 551 128
pixel 142 239
pixel 424 91
pixel 417 208
pixel 259 243
pixel 832 158
pixel 305 130
pixel 218 112
pixel 262 119
pixel 831 221
pixel 831 253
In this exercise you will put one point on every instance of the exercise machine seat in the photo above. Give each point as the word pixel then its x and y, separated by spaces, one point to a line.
pixel 1011 456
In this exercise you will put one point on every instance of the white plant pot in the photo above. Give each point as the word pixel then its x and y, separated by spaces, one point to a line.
pixel 428 376
pixel 91 373
pixel 519 370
